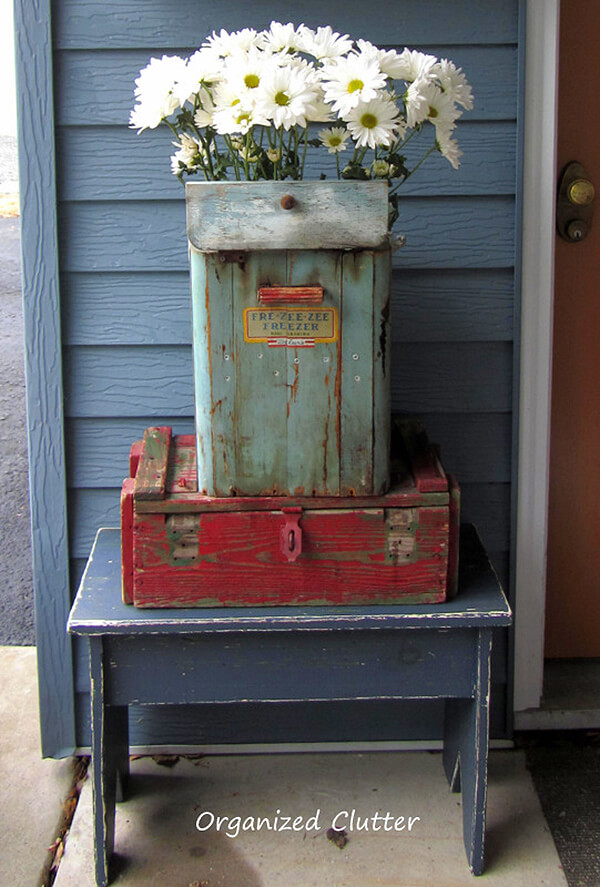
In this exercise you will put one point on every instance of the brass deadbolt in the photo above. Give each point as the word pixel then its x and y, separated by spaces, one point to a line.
pixel 575 204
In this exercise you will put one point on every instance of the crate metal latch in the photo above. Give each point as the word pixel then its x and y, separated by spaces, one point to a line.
pixel 291 534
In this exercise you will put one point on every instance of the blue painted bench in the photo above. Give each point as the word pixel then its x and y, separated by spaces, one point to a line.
pixel 290 653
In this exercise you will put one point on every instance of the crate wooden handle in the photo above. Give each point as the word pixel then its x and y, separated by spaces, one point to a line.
pixel 307 295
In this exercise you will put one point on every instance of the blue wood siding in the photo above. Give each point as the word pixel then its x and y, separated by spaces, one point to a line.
pixel 124 288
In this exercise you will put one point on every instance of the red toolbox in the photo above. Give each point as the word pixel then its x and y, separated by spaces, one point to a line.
pixel 183 549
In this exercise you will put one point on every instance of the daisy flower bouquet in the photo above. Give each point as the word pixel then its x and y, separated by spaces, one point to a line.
pixel 252 105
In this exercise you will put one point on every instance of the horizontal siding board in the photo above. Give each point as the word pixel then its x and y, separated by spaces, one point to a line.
pixel 120 381
pixel 448 232
pixel 110 80
pixel 89 511
pixel 157 381
pixel 487 506
pixel 474 447
pixel 128 163
pixel 452 377
pixel 146 23
pixel 100 447
pixel 125 308
pixel 112 308
pixel 466 232
pixel 452 306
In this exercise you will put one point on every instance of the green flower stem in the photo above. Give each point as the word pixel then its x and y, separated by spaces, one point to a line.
pixel 304 150
pixel 281 150
pixel 400 144
pixel 233 156
pixel 415 168
pixel 246 154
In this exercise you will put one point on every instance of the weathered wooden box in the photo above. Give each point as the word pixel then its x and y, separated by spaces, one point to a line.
pixel 184 549
pixel 291 302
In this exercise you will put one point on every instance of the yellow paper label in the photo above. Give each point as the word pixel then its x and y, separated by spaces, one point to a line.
pixel 290 327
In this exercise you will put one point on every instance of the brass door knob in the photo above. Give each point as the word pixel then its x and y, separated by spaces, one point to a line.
pixel 581 192
pixel 575 204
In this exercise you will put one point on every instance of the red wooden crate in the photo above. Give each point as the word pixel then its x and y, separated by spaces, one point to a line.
pixel 182 549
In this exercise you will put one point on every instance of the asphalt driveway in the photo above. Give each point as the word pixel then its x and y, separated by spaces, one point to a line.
pixel 16 585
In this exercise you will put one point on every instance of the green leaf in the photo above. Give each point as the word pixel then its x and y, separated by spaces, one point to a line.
pixel 355 171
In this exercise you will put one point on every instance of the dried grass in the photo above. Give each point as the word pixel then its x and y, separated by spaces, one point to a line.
pixel 9 206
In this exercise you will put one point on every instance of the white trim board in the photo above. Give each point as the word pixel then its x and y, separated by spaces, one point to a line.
pixel 537 297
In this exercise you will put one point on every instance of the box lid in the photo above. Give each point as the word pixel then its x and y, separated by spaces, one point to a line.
pixel 286 215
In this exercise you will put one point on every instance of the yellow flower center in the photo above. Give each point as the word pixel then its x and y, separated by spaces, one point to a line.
pixel 251 80
pixel 282 98
pixel 368 120
pixel 432 112
pixel 334 141
pixel 354 85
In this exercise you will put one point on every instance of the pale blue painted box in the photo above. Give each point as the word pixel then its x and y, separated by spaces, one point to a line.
pixel 291 332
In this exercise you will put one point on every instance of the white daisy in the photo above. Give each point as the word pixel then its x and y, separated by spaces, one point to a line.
pixel 203 67
pixel 237 118
pixel 245 71
pixel 287 97
pixel 189 155
pixel 390 61
pixel 441 110
pixel 233 111
pixel 154 92
pixel 374 123
pixel 334 138
pixel 281 38
pixel 319 111
pixel 204 115
pixel 416 102
pixel 412 65
pixel 448 148
pixel 324 43
pixel 454 83
pixel 225 44
pixel 350 80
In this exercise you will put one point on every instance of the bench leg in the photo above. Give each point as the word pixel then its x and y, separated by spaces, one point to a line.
pixel 465 753
pixel 110 762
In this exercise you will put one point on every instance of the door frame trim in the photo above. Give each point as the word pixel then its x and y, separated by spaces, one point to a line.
pixel 537 302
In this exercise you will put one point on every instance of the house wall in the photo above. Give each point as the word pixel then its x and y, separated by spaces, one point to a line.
pixel 125 327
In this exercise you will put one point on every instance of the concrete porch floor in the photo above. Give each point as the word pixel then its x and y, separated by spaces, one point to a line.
pixel 157 841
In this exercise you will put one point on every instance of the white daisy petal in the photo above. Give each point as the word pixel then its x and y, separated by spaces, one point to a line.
pixel 412 65
pixel 324 43
pixel 281 38
pixel 454 83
